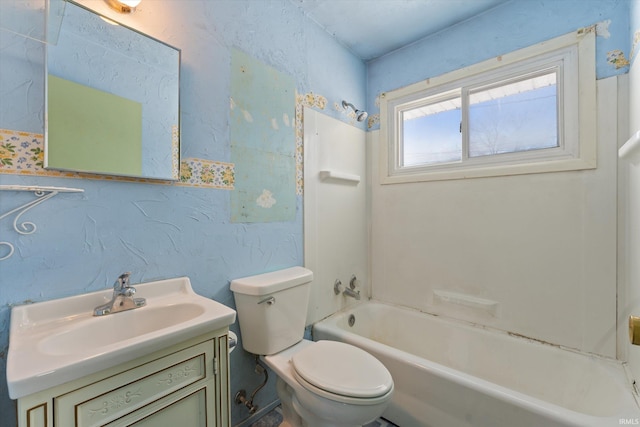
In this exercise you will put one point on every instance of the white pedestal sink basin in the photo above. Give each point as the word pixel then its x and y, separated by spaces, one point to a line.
pixel 57 341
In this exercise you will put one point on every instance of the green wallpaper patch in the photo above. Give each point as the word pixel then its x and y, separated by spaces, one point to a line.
pixel 263 147
pixel 92 131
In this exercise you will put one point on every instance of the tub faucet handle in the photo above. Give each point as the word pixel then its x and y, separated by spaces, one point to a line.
pixel 337 287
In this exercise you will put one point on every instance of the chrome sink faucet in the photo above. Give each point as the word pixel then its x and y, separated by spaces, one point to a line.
pixel 122 299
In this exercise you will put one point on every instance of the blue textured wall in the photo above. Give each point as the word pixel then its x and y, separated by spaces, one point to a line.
pixel 509 27
pixel 158 231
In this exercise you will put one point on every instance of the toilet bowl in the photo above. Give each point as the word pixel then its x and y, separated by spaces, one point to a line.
pixel 320 384
pixel 328 383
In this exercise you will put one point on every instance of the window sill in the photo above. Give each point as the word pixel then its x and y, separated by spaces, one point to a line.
pixel 492 171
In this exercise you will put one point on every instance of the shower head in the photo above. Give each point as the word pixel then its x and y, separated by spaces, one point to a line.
pixel 360 115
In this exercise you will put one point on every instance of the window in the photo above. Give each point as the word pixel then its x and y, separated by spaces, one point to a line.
pixel 530 111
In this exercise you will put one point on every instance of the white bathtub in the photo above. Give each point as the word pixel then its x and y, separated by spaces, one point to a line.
pixel 450 374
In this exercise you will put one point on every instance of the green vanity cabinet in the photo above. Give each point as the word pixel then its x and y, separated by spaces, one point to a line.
pixel 186 385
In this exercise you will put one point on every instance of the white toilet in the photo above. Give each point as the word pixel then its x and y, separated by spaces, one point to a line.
pixel 320 384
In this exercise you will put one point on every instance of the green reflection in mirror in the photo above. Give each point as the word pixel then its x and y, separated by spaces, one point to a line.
pixel 91 130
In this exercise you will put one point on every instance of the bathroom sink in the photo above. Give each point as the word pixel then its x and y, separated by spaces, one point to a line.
pixel 57 341
pixel 106 331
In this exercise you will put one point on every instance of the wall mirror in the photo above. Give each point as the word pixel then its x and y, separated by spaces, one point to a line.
pixel 112 99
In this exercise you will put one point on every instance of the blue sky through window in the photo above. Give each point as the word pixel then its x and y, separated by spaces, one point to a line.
pixel 521 122
pixel 435 138
pixel 502 119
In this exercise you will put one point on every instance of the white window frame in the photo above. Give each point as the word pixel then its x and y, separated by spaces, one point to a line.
pixel 573 55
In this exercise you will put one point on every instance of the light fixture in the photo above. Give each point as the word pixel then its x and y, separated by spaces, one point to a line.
pixel 123 6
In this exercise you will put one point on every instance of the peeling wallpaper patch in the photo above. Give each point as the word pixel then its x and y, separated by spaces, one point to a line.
pixel 312 100
pixel 175 152
pixel 266 199
pixel 20 151
pixel 617 59
pixel 374 119
pixel 602 29
pixel 299 132
pixel 634 44
pixel 262 148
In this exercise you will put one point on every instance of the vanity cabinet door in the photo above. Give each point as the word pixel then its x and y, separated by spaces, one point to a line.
pixel 37 415
pixel 149 388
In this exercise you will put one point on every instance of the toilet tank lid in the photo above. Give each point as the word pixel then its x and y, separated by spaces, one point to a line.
pixel 268 283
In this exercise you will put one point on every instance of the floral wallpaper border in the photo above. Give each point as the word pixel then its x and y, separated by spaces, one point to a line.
pixel 304 100
pixel 206 173
pixel 22 153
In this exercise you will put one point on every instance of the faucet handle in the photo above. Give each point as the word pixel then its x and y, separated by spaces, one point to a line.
pixel 352 282
pixel 128 291
pixel 122 281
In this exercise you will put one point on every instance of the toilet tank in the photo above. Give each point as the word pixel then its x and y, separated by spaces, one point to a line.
pixel 272 309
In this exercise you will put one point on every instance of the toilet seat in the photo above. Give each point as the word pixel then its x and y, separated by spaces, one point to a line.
pixel 342 372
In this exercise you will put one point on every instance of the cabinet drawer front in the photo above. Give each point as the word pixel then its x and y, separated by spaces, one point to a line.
pixel 114 397
pixel 188 408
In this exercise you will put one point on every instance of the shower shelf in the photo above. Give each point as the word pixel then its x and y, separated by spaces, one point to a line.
pixel 630 147
pixel 339 176
pixel 42 194
pixel 472 301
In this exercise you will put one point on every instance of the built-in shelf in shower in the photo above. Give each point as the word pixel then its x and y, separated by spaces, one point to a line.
pixel 631 146
pixel 471 301
pixel 329 175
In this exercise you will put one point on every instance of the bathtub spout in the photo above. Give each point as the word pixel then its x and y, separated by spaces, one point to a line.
pixel 351 293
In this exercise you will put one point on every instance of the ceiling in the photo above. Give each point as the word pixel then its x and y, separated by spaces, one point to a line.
pixel 372 28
